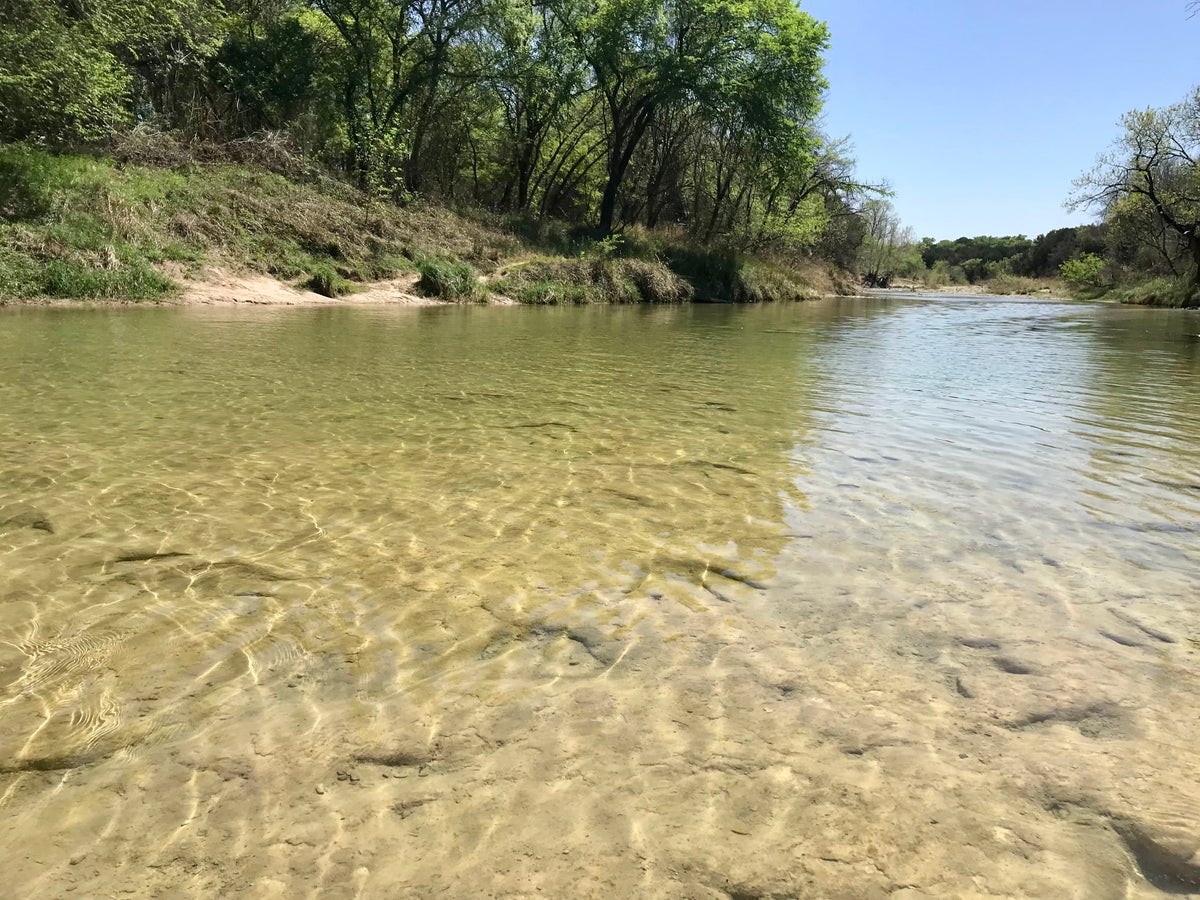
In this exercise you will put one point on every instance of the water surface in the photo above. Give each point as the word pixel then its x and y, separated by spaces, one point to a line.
pixel 847 599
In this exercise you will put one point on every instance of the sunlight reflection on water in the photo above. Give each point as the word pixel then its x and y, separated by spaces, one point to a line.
pixel 592 600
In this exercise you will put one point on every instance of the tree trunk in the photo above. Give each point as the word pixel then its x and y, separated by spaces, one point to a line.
pixel 620 153
pixel 524 173
pixel 608 203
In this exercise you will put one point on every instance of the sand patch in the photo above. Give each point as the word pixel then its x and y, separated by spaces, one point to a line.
pixel 219 287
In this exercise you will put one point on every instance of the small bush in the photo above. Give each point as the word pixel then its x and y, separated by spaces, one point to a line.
pixel 447 280
pixel 943 274
pixel 1160 292
pixel 1085 271
pixel 547 293
pixel 656 283
pixel 599 279
pixel 1013 284
pixel 326 281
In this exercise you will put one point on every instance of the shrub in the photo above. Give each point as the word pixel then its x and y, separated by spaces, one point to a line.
pixel 326 281
pixel 974 270
pixel 1159 292
pixel 1012 284
pixel 1084 271
pixel 447 280
pixel 600 279
pixel 547 293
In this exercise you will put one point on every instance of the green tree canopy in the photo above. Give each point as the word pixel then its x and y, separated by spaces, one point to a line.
pixel 1150 182
pixel 76 71
pixel 701 114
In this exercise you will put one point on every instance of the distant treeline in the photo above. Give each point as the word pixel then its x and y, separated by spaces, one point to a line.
pixel 984 257
pixel 1146 248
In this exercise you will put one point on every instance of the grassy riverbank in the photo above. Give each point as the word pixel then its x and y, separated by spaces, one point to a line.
pixel 1129 289
pixel 1169 292
pixel 81 227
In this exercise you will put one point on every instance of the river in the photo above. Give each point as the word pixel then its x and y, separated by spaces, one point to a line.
pixel 857 598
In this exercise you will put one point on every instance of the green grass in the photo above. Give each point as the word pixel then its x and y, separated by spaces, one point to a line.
pixel 1157 292
pixel 96 228
pixel 325 280
pixel 595 279
pixel 448 280
pixel 548 293
pixel 81 227
pixel 62 234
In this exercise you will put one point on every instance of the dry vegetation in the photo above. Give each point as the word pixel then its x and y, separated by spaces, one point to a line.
pixel 82 227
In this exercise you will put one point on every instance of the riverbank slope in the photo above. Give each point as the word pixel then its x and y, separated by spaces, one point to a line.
pixel 82 228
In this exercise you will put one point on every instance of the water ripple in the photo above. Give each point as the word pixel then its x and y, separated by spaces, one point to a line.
pixel 893 592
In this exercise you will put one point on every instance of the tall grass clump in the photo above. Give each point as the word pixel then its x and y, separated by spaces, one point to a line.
pixel 720 276
pixel 327 281
pixel 64 232
pixel 1158 292
pixel 1005 284
pixel 448 280
pixel 598 279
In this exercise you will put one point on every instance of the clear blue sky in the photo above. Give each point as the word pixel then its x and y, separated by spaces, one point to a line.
pixel 981 114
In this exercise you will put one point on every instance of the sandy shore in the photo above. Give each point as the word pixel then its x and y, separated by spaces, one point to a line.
pixel 220 287
pixel 963 290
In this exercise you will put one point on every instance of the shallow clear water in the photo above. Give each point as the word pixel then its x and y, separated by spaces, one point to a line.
pixel 854 598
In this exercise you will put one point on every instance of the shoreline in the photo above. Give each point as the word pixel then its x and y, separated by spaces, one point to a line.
pixel 229 289
pixel 219 287
pixel 223 288
pixel 969 290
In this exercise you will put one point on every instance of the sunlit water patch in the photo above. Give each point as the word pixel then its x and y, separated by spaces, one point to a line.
pixel 855 598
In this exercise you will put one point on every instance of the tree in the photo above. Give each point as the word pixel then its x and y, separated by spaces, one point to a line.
pixel 59 80
pixel 538 77
pixel 396 57
pixel 1049 251
pixel 1137 237
pixel 1155 163
pixel 700 115
pixel 888 248
pixel 268 67
pixel 70 72
pixel 749 65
